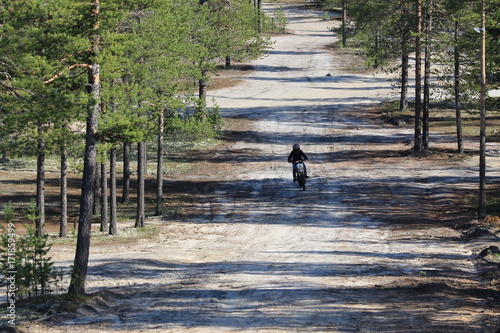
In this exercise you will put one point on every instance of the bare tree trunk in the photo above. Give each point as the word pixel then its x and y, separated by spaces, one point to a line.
pixel 104 201
pixel 63 225
pixel 141 171
pixel 202 96
pixel 259 15
pixel 40 186
pixel 482 131
pixel 112 192
pixel 458 106
pixel 98 190
pixel 159 166
pixel 403 101
pixel 427 76
pixel 344 24
pixel 126 173
pixel 418 77
pixel 80 266
pixel 5 156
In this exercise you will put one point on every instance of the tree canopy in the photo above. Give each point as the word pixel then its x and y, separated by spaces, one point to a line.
pixel 111 65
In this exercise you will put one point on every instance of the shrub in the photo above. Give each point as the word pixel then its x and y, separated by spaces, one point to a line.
pixel 25 259
pixel 191 127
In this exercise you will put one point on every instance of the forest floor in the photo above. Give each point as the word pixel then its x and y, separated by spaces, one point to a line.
pixel 380 241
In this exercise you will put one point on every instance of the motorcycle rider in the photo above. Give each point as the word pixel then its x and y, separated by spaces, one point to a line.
pixel 295 155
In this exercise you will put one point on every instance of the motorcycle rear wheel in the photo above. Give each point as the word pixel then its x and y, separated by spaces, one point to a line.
pixel 302 182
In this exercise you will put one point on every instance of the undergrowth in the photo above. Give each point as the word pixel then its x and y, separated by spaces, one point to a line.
pixel 27 270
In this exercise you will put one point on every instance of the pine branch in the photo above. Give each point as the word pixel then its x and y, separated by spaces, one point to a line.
pixel 70 68
pixel 14 90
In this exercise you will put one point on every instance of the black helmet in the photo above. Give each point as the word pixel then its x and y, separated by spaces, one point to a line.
pixel 296 146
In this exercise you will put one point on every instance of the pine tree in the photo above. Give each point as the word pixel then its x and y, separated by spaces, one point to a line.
pixel 40 70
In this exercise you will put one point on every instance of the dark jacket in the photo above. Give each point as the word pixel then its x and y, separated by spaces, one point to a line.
pixel 296 155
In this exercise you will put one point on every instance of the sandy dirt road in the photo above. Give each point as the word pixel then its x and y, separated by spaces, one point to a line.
pixel 368 247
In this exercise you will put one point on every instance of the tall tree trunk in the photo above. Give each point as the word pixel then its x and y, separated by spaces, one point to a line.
pixel 80 266
pixel 96 209
pixel 202 96
pixel 159 166
pixel 403 101
pixel 141 171
pixel 405 51
pixel 418 79
pixel 40 186
pixel 112 192
pixel 5 156
pixel 104 201
pixel 344 24
pixel 482 131
pixel 259 15
pixel 427 76
pixel 458 106
pixel 126 173
pixel 63 223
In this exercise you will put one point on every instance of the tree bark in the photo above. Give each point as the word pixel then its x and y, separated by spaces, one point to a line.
pixel 40 186
pixel 418 77
pixel 112 193
pixel 202 96
pixel 126 173
pixel 104 200
pixel 98 190
pixel 344 23
pixel 403 101
pixel 63 225
pixel 427 77
pixel 259 15
pixel 80 266
pixel 482 131
pixel 141 171
pixel 458 106
pixel 159 166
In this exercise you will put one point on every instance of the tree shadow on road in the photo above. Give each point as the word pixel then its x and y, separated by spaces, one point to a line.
pixel 416 304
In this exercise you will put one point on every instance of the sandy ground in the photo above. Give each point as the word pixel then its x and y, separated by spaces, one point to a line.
pixel 370 246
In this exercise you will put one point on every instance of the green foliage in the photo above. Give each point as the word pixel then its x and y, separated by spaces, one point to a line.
pixel 390 106
pixel 275 24
pixel 40 42
pixel 151 52
pixel 191 128
pixel 280 19
pixel 380 26
pixel 24 260
pixel 220 29
pixel 493 103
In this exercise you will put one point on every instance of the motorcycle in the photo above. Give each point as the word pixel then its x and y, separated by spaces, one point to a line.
pixel 300 172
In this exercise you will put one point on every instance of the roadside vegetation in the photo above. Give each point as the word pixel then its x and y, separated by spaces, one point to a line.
pixel 443 46
pixel 84 84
